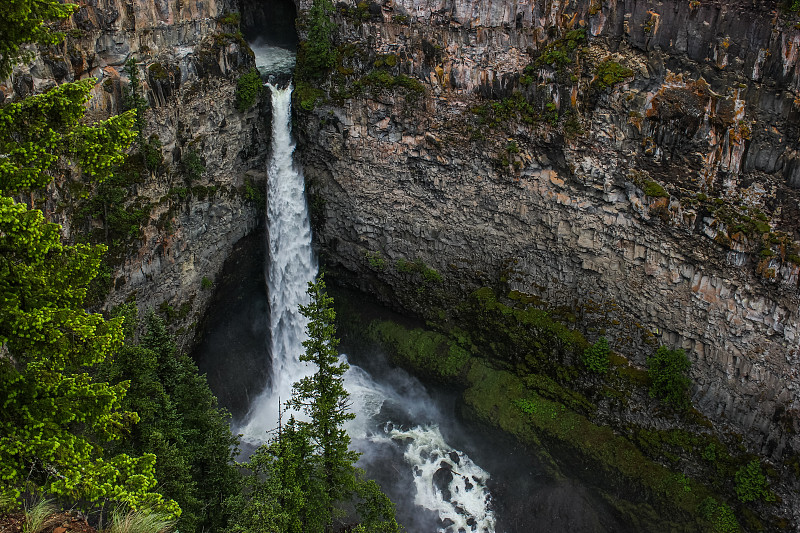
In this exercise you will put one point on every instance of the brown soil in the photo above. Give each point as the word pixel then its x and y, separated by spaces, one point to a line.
pixel 67 522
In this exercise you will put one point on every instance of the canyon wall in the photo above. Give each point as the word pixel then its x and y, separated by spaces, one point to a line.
pixel 635 162
pixel 188 58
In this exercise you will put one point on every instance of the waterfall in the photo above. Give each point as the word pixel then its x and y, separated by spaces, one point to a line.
pixel 291 266
pixel 443 480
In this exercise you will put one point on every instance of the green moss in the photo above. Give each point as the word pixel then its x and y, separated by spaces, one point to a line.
pixel 429 353
pixel 495 395
pixel 654 189
pixel 560 52
pixel 609 73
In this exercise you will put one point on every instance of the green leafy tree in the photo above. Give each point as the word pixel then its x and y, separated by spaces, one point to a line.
pixel 595 357
pixel 54 416
pixel 308 469
pixel 669 380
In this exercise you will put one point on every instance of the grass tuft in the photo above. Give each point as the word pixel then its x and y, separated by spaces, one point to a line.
pixel 140 522
pixel 38 516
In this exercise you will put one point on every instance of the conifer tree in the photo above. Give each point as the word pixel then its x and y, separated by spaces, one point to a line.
pixel 308 467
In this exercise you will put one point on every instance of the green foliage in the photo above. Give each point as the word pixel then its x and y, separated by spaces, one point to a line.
pixel 376 260
pixel 193 166
pixel 230 18
pixel 206 283
pixel 720 515
pixel 140 522
pixel 181 424
pixel 317 54
pixel 248 88
pixel 301 476
pixel 751 483
pixel 307 95
pixel 560 52
pixel 511 109
pixel 381 79
pixel 609 73
pixel 151 152
pixel 55 415
pixel 23 21
pixel 668 372
pixel 40 130
pixel 132 98
pixel 595 357
pixel 254 193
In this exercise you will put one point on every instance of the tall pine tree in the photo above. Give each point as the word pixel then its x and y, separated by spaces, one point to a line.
pixel 308 468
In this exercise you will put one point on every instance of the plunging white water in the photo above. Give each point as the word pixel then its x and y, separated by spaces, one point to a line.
pixel 291 266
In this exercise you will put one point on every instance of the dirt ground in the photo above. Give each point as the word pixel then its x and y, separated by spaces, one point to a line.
pixel 66 522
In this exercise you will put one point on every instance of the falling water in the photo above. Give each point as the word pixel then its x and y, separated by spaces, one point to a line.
pixel 445 481
pixel 291 266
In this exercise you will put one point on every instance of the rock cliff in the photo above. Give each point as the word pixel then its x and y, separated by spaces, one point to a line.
pixel 636 162
pixel 188 56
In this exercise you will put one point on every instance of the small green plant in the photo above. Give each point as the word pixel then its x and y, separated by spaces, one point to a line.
pixel 193 166
pixel 595 357
pixel 720 515
pixel 139 522
pixel 206 283
pixel 376 260
pixel 230 18
pixel 751 483
pixel 248 88
pixel 151 153
pixel 667 370
pixel 38 515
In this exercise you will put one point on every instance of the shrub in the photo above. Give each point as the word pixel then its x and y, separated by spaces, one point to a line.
pixel 667 370
pixel 720 515
pixel 595 357
pixel 230 18
pixel 193 166
pixel 306 95
pixel 751 484
pixel 151 152
pixel 206 283
pixel 248 88
pixel 376 260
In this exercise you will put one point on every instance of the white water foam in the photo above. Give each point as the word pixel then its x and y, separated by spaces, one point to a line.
pixel 273 59
pixel 446 480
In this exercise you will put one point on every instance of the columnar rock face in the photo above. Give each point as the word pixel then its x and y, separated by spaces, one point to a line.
pixel 636 162
pixel 188 57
